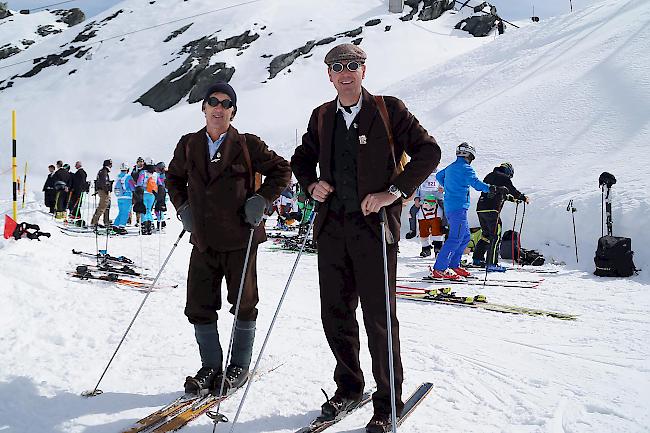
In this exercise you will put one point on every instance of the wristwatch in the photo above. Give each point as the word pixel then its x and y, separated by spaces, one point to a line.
pixel 395 191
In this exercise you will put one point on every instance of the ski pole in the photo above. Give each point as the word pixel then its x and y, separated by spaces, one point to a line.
pixel 572 209
pixel 493 240
pixel 512 238
pixel 521 226
pixel 97 391
pixel 234 320
pixel 312 217
pixel 389 322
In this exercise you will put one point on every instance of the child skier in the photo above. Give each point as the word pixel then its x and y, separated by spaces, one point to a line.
pixel 456 179
pixel 430 225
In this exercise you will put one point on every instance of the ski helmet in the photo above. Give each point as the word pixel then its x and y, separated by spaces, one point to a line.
pixel 124 167
pixel 160 166
pixel 508 169
pixel 466 150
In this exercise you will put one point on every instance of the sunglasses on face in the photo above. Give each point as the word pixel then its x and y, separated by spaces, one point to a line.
pixel 338 66
pixel 226 103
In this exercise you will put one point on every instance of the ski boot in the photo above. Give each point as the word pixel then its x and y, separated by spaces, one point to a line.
pixel 426 251
pixel 478 263
pixel 461 271
pixel 203 382
pixel 410 235
pixel 495 268
pixel 236 377
pixel 447 274
pixel 336 405
pixel 379 423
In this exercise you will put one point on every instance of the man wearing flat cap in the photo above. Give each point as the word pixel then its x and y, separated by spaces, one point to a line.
pixel 212 183
pixel 357 141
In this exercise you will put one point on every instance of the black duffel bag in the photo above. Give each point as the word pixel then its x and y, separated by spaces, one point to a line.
pixel 614 257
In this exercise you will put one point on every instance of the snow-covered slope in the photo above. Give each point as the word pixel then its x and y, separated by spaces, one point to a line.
pixel 563 102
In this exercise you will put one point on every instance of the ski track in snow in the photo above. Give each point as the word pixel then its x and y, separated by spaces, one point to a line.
pixel 492 372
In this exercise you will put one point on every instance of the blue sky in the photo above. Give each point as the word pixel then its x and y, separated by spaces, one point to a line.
pixel 90 7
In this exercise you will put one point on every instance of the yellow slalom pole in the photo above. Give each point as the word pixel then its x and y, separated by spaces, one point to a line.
pixel 14 176
pixel 24 186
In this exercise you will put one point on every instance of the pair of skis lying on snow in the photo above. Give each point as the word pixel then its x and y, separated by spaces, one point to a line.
pixel 445 295
pixel 186 408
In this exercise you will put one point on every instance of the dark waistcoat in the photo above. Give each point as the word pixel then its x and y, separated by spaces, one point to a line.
pixel 345 148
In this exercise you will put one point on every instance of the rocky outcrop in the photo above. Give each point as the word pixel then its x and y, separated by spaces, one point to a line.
pixel 71 17
pixel 196 74
pixel 178 32
pixel 47 30
pixel 4 11
pixel 478 26
pixel 435 8
pixel 481 24
pixel 285 60
pixel 8 50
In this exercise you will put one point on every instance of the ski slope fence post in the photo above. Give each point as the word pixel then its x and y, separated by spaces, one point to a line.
pixel 14 176
pixel 389 323
pixel 97 391
pixel 275 316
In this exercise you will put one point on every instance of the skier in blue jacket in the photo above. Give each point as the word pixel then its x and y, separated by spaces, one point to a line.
pixel 456 179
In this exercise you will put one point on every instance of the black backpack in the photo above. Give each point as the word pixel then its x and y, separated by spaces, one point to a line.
pixel 614 257
pixel 524 257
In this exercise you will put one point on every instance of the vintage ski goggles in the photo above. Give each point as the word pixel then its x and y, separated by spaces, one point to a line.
pixel 352 66
pixel 226 103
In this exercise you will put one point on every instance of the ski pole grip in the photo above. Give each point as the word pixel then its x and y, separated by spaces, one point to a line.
pixel 382 215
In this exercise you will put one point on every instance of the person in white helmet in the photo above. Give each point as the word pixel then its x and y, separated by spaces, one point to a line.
pixel 456 179
pixel 124 187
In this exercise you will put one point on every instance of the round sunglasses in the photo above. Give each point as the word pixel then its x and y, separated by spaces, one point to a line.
pixel 226 103
pixel 352 66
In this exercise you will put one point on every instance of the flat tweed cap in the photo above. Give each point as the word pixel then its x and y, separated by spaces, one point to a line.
pixel 345 52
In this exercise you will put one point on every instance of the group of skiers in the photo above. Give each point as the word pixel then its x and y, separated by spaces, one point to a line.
pixel 143 189
pixel 440 210
pixel 63 190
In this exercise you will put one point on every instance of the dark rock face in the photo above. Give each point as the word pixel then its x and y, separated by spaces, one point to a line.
pixel 352 33
pixel 47 30
pixel 478 25
pixel 435 8
pixel 87 33
pixel 326 41
pixel 431 9
pixel 107 19
pixel 4 12
pixel 27 42
pixel 51 60
pixel 372 22
pixel 195 75
pixel 178 32
pixel 71 17
pixel 8 50
pixel 285 60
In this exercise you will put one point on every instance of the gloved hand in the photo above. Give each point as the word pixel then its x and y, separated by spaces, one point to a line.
pixel 184 213
pixel 254 209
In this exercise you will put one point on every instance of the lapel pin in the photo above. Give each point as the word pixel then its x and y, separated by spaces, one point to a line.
pixel 362 139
